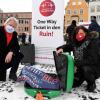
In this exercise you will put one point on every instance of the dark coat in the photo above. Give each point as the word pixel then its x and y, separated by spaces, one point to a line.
pixel 94 26
pixel 70 31
pixel 4 48
pixel 86 53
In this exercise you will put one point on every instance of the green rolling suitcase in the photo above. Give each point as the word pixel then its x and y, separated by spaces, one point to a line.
pixel 65 69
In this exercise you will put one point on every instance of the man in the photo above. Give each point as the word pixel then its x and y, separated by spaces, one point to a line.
pixel 94 26
pixel 9 49
pixel 70 30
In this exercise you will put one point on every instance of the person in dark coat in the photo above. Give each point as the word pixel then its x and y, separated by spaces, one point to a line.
pixel 70 30
pixel 86 52
pixel 9 49
pixel 23 38
pixel 94 26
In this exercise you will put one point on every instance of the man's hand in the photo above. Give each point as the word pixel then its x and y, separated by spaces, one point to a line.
pixel 8 57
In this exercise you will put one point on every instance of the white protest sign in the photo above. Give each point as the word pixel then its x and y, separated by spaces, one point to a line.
pixel 47 28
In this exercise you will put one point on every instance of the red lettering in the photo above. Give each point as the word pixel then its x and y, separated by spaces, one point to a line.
pixel 46 33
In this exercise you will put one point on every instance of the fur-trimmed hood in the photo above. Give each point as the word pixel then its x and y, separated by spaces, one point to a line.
pixel 94 35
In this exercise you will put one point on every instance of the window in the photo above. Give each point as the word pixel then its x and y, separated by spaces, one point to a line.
pixel 26 21
pixel 81 20
pixel 19 21
pixel 5 17
pixel 92 9
pixel 98 8
pixel 22 21
pixel 1 21
pixel 98 18
pixel 68 12
pixel 81 11
pixel 26 29
pixel 75 12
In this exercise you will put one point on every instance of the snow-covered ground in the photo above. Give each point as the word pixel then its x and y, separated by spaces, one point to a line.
pixel 15 91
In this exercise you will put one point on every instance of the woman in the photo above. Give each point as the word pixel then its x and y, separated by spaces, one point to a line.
pixel 85 47
pixel 9 49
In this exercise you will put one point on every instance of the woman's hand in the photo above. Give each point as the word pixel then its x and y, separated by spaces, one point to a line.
pixel 59 51
pixel 8 57
pixel 75 70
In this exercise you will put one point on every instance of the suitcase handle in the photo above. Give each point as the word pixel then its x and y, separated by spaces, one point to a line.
pixel 39 96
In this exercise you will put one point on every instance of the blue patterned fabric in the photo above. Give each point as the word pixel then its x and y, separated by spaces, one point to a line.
pixel 38 79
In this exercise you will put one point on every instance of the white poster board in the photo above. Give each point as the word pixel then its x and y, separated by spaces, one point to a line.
pixel 47 28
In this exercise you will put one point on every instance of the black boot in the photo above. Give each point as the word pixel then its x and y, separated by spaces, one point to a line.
pixel 13 71
pixel 91 87
pixel 89 75
pixel 78 78
pixel 2 75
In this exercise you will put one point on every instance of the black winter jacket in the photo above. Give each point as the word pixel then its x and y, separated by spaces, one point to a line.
pixel 94 26
pixel 4 48
pixel 70 31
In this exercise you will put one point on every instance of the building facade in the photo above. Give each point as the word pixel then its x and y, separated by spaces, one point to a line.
pixel 76 10
pixel 24 21
pixel 94 9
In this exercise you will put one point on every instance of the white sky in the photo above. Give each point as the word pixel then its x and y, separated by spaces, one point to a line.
pixel 18 5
